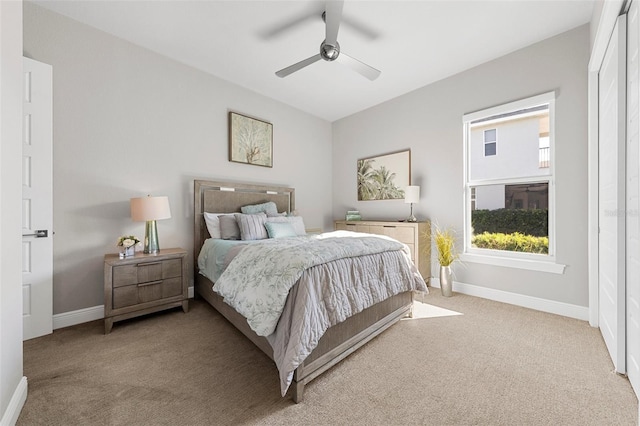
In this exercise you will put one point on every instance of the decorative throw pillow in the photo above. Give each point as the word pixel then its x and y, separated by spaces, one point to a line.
pixel 280 229
pixel 252 226
pixel 269 208
pixel 295 221
pixel 212 220
pixel 229 229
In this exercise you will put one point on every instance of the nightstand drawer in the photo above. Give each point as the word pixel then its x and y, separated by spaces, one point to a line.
pixel 172 287
pixel 146 272
pixel 125 275
pixel 137 293
pixel 125 296
pixel 171 268
pixel 146 292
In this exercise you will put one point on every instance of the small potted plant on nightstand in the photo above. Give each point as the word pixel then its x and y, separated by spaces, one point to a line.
pixel 447 254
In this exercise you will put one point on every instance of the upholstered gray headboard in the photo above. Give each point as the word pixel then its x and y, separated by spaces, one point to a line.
pixel 228 197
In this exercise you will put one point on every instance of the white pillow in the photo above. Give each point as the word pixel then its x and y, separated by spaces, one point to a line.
pixel 213 223
pixel 296 221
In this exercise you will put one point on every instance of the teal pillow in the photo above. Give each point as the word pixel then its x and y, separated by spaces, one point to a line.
pixel 280 229
pixel 269 208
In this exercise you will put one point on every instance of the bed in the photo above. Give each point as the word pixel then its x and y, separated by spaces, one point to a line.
pixel 339 340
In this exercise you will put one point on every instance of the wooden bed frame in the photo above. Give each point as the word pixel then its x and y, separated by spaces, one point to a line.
pixel 338 341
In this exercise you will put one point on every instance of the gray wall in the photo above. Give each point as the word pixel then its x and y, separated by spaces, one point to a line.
pixel 129 122
pixel 429 122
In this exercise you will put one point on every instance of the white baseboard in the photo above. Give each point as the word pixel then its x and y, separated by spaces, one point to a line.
pixel 67 319
pixel 544 305
pixel 11 414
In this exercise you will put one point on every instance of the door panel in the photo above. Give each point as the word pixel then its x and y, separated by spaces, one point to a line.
pixel 611 202
pixel 633 198
pixel 37 201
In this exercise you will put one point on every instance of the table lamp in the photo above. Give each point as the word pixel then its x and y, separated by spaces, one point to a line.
pixel 149 209
pixel 412 195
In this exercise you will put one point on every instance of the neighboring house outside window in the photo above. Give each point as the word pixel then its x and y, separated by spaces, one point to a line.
pixel 511 193
pixel 490 142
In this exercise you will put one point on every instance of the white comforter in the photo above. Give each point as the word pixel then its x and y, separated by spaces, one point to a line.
pixel 338 275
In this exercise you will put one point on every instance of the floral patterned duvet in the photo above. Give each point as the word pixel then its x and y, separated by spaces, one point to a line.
pixel 338 273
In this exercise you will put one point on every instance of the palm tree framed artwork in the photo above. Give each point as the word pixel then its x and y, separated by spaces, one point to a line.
pixel 384 177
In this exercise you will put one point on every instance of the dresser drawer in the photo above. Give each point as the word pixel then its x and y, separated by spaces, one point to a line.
pixel 416 235
pixel 400 233
pixel 354 227
pixel 412 249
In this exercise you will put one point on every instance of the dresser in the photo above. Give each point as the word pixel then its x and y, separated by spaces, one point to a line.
pixel 416 235
pixel 143 284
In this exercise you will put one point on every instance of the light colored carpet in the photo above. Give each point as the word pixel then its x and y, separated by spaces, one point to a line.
pixel 461 361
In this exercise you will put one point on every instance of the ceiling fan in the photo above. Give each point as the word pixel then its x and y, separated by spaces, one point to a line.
pixel 330 49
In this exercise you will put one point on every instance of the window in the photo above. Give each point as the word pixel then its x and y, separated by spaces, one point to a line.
pixel 509 198
pixel 490 142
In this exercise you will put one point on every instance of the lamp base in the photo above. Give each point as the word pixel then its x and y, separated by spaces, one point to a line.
pixel 151 245
pixel 412 218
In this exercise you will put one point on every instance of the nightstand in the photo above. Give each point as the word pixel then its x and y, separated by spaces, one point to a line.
pixel 143 284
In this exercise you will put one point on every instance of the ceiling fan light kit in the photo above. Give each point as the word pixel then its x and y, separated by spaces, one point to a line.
pixel 330 48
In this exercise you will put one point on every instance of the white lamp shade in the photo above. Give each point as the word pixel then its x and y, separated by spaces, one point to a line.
pixel 150 208
pixel 412 194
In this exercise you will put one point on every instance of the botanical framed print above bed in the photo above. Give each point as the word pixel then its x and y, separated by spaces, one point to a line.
pixel 250 140
pixel 384 177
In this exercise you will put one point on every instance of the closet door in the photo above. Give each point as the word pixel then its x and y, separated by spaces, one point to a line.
pixel 611 202
pixel 633 197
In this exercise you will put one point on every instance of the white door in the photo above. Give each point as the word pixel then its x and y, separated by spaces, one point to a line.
pixel 37 200
pixel 611 202
pixel 633 197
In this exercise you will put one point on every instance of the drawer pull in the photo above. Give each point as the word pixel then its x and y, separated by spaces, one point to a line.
pixel 150 283
pixel 389 226
pixel 148 264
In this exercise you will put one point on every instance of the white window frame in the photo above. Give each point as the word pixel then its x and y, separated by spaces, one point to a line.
pixel 530 261
pixel 495 142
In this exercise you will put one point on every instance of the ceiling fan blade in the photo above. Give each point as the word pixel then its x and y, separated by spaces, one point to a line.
pixel 364 69
pixel 333 15
pixel 296 67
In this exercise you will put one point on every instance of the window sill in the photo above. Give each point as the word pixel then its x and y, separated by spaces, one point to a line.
pixel 531 265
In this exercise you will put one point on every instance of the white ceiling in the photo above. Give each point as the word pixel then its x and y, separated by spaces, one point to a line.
pixel 413 43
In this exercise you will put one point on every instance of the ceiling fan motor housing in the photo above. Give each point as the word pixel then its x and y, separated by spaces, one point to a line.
pixel 329 52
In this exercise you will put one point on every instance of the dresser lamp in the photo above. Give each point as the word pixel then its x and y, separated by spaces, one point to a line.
pixel 149 209
pixel 412 195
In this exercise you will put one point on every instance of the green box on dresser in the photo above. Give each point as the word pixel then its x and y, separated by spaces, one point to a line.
pixel 144 283
pixel 416 235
